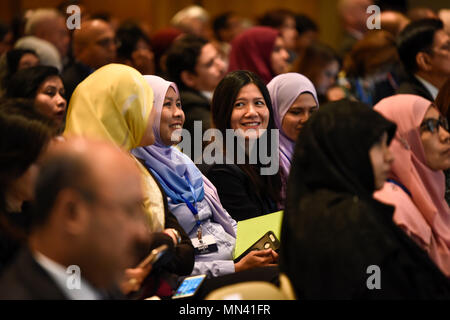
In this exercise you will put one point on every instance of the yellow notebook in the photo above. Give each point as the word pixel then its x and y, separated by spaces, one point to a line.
pixel 250 230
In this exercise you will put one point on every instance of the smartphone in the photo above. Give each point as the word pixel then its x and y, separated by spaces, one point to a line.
pixel 154 256
pixel 267 241
pixel 189 287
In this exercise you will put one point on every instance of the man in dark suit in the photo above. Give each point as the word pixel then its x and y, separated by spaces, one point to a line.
pixel 87 227
pixel 195 65
pixel 424 49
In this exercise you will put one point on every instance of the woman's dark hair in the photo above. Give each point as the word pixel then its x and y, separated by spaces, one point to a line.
pixel 222 106
pixel 316 57
pixel 275 18
pixel 303 24
pixel 129 34
pixel 24 133
pixel 220 23
pixel 12 62
pixel 25 83
pixel 443 100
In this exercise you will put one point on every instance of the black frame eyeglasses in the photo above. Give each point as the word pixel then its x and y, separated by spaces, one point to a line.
pixel 433 125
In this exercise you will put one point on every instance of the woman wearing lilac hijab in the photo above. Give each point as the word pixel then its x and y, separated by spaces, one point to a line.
pixel 192 198
pixel 294 99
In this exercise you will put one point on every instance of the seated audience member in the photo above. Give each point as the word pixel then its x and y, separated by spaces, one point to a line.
pixel 393 22
pixel 88 217
pixel 94 45
pixel 193 20
pixel 49 25
pixel 252 187
pixel 161 42
pixel 115 104
pixel 191 195
pixel 6 38
pixel 444 15
pixel 196 66
pixel 42 84
pixel 308 32
pixel 14 60
pixel 134 48
pixel 419 13
pixel 294 100
pixel 321 65
pixel 372 67
pixel 226 27
pixel 424 49
pixel 337 241
pixel 443 104
pixel 47 53
pixel 416 185
pixel 24 136
pixel 353 17
pixel 284 21
pixel 260 50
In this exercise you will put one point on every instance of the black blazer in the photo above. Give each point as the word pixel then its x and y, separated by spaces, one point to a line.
pixel 236 191
pixel 413 86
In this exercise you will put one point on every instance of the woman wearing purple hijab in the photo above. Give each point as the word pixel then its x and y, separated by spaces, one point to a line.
pixel 294 99
pixel 192 198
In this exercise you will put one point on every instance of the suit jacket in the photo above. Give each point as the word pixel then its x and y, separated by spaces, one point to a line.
pixel 25 279
pixel 413 86
pixel 195 107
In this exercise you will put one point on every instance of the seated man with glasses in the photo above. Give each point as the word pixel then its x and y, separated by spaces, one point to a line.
pixel 94 45
pixel 88 226
pixel 424 49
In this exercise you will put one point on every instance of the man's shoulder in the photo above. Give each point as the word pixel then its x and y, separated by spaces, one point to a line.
pixel 191 97
pixel 413 86
pixel 24 279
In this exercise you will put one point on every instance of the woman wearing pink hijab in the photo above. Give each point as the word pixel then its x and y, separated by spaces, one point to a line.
pixel 416 184
pixel 260 50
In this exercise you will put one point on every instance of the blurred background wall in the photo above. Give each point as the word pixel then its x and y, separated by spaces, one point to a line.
pixel 157 13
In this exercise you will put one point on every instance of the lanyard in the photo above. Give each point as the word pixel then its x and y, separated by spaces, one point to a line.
pixel 193 209
pixel 401 186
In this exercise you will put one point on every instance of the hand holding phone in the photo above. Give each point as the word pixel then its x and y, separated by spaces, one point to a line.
pixel 154 255
pixel 135 276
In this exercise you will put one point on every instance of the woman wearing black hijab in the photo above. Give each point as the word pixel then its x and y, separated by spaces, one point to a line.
pixel 337 241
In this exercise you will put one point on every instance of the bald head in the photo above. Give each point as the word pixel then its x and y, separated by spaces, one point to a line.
pixel 90 208
pixel 94 43
pixel 49 25
pixel 354 14
pixel 393 21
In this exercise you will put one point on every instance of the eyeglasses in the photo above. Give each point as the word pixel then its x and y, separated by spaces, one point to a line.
pixel 108 42
pixel 433 125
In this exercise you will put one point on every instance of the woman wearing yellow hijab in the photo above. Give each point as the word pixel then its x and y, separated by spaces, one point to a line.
pixel 115 103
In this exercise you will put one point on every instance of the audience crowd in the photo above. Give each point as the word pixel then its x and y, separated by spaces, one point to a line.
pixel 117 140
